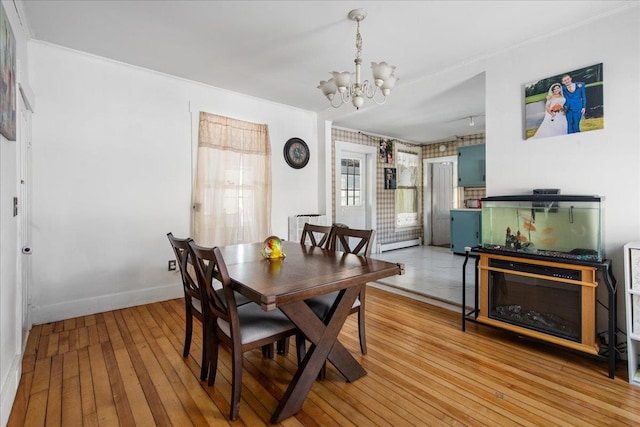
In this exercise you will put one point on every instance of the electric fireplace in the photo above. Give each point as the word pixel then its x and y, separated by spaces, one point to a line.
pixel 552 301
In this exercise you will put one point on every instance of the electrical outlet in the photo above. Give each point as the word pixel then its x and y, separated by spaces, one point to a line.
pixel 172 265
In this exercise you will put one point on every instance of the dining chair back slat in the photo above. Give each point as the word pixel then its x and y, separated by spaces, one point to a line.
pixel 351 240
pixel 181 250
pixel 211 271
pixel 317 235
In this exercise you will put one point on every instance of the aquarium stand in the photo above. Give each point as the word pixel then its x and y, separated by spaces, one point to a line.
pixel 547 299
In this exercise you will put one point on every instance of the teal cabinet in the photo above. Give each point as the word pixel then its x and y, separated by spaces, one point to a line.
pixel 465 229
pixel 471 166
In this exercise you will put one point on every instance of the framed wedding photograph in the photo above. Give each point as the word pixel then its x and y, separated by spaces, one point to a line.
pixel 7 78
pixel 565 103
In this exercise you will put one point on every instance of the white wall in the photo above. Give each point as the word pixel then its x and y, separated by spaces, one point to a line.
pixel 603 162
pixel 112 175
pixel 11 287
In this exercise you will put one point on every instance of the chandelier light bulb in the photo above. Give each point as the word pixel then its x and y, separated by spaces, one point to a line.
pixel 381 71
pixel 389 84
pixel 384 79
pixel 342 80
pixel 328 88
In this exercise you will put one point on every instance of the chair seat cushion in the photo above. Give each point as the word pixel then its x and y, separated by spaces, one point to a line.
pixel 321 305
pixel 256 324
pixel 240 300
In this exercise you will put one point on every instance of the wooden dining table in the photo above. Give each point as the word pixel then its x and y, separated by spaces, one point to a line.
pixel 285 284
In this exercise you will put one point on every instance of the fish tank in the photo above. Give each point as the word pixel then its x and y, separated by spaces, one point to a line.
pixel 549 225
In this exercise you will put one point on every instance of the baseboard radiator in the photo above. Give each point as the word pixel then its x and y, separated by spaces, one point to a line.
pixel 383 247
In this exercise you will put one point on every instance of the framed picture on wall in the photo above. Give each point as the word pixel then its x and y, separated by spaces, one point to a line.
pixel 389 178
pixel 7 78
pixel 565 103
pixel 386 151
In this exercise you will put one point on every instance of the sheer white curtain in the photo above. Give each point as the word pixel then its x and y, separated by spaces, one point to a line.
pixel 232 194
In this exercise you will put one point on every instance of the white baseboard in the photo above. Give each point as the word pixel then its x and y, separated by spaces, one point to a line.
pixel 99 304
pixel 9 389
pixel 383 247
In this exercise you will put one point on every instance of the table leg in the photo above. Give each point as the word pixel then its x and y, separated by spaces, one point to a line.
pixel 326 346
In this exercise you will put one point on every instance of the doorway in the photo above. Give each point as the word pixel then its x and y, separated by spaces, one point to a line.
pixel 441 202
pixel 355 196
pixel 441 195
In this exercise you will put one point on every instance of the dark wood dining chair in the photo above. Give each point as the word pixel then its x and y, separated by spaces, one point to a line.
pixel 315 235
pixel 353 241
pixel 312 235
pixel 193 297
pixel 237 328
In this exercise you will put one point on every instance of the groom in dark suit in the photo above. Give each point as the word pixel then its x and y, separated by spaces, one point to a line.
pixel 576 102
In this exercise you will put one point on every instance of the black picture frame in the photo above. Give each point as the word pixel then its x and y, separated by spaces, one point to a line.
pixel 389 178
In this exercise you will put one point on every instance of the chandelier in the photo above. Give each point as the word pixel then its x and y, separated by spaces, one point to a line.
pixel 383 77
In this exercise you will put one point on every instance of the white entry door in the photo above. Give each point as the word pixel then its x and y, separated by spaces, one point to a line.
pixel 441 202
pixel 355 184
pixel 352 207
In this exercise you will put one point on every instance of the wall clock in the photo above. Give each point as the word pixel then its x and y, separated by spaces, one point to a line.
pixel 296 153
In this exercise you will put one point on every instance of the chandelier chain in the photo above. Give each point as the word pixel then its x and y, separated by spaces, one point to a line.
pixel 358 41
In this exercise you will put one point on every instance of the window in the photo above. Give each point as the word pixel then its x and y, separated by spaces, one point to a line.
pixel 232 193
pixel 350 187
pixel 407 190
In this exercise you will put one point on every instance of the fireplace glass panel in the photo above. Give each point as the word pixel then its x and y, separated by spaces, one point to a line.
pixel 539 304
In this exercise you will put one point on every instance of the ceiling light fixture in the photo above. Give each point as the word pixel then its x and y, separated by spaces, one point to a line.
pixel 383 77
pixel 471 122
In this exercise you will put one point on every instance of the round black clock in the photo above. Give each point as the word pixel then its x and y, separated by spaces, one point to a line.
pixel 296 153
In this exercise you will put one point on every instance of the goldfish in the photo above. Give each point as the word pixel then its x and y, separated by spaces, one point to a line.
pixel 547 230
pixel 528 225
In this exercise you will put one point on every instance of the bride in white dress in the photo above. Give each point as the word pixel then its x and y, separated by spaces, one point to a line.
pixel 555 121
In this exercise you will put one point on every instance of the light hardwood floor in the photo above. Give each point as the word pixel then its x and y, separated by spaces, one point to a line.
pixel 125 367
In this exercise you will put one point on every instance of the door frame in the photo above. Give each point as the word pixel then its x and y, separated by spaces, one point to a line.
pixel 24 190
pixel 371 154
pixel 426 187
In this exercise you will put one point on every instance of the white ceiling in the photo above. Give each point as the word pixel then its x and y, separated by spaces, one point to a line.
pixel 280 50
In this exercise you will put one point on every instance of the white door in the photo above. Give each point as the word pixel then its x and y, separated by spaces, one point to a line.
pixel 351 197
pixel 441 202
pixel 355 184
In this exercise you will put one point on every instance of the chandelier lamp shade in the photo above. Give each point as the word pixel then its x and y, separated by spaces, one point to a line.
pixel 340 84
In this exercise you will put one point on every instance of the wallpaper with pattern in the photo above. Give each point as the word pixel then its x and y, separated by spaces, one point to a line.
pixel 385 210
